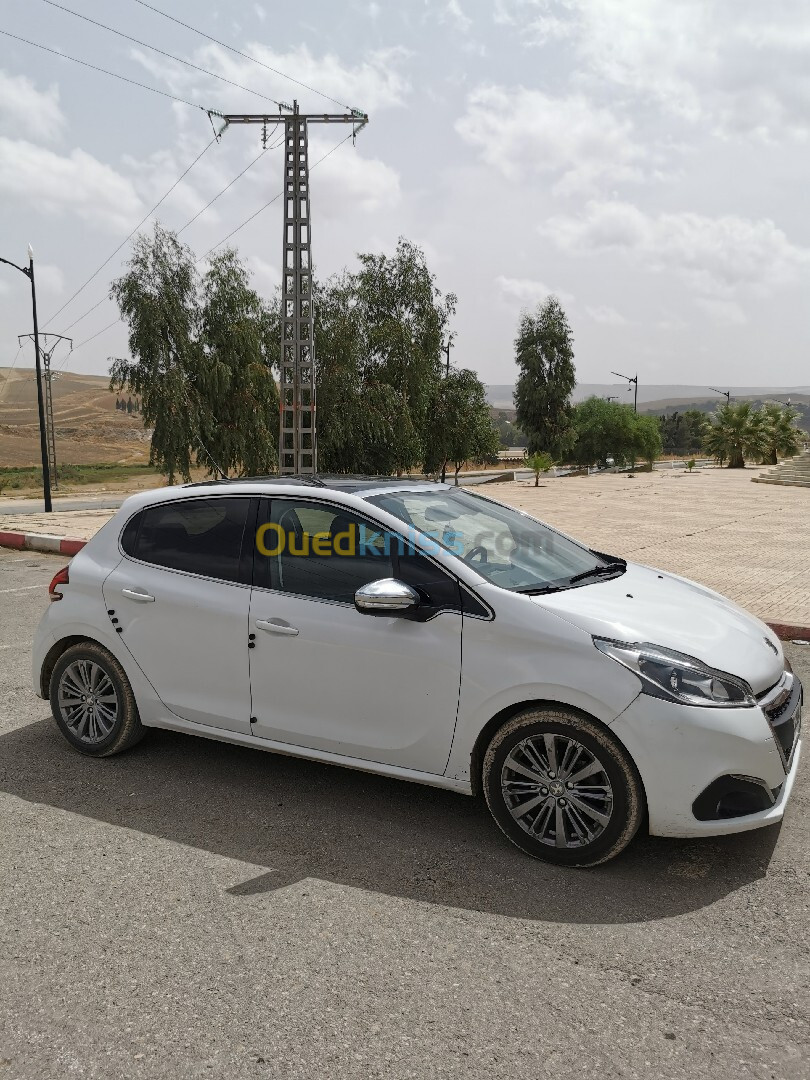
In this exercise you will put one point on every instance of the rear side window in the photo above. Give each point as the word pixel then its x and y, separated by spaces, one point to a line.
pixel 199 536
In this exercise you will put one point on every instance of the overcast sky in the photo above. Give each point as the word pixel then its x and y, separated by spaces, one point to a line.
pixel 646 160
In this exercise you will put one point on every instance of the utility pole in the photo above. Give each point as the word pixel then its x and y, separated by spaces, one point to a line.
pixel 50 431
pixel 46 473
pixel 298 444
pixel 629 381
pixel 723 393
pixel 447 347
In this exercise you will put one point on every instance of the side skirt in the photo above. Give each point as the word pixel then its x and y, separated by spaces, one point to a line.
pixel 188 727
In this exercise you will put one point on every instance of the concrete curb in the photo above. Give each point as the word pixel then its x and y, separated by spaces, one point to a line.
pixel 59 545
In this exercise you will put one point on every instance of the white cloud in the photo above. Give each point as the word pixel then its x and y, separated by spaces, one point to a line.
pixel 715 256
pixel 261 14
pixel 76 182
pixel 606 315
pixel 724 312
pixel 738 69
pixel 50 279
pixel 453 13
pixel 24 110
pixel 527 131
pixel 372 84
pixel 347 179
pixel 528 292
pixel 266 275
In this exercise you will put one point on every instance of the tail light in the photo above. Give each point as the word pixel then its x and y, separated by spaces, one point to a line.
pixel 61 578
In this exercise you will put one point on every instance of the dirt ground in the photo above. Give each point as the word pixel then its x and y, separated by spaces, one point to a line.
pixel 88 427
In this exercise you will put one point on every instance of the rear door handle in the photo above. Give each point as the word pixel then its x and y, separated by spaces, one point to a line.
pixel 136 594
pixel 276 627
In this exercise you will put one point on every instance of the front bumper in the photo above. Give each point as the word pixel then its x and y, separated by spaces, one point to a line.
pixel 679 751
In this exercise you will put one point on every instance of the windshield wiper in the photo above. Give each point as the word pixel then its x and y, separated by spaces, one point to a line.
pixel 595 571
pixel 539 590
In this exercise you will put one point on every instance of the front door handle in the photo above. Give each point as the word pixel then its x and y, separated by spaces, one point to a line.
pixel 136 594
pixel 276 627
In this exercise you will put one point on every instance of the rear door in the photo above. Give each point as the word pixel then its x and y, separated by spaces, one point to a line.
pixel 182 597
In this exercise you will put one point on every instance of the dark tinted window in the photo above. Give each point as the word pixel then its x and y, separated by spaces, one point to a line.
pixel 199 536
pixel 317 550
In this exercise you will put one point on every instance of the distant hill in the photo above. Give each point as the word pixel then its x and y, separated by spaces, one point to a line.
pixel 658 396
pixel 89 429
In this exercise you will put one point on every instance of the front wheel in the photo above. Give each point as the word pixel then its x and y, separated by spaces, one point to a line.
pixel 92 701
pixel 562 788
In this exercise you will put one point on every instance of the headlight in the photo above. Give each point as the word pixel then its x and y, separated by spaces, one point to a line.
pixel 677 677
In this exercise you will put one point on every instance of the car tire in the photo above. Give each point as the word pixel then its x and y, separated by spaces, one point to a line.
pixel 92 701
pixel 535 788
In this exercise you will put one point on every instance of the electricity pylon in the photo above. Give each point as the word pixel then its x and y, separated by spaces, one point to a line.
pixel 49 376
pixel 298 437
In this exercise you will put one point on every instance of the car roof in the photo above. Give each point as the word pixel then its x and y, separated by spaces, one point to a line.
pixel 346 483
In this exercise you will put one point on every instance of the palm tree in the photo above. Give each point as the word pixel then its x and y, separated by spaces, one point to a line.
pixel 780 432
pixel 540 462
pixel 737 432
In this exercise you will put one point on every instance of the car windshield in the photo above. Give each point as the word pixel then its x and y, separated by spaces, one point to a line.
pixel 505 546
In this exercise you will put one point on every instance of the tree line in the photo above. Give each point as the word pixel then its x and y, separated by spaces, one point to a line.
pixel 204 347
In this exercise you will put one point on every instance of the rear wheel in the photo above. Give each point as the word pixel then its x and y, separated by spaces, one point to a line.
pixel 562 788
pixel 92 701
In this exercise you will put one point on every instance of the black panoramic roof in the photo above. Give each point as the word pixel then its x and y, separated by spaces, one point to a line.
pixel 339 482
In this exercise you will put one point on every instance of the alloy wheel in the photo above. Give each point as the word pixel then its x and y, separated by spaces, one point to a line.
pixel 88 701
pixel 557 791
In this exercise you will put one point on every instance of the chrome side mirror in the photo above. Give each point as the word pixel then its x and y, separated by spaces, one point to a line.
pixel 387 596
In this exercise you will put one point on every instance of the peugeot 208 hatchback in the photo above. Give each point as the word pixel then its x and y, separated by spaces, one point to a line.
pixel 430 634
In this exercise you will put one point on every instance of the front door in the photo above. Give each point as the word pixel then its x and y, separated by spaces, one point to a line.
pixel 182 598
pixel 325 676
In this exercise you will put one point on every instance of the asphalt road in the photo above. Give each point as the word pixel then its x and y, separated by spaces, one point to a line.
pixel 37 506
pixel 195 910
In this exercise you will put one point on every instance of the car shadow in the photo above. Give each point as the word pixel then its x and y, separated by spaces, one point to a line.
pixel 296 819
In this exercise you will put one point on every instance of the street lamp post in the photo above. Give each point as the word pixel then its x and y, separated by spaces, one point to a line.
pixel 634 380
pixel 43 444
pixel 723 393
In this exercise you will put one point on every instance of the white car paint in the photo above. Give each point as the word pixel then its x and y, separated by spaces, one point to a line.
pixel 411 699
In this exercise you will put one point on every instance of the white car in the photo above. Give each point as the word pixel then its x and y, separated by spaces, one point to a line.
pixel 430 634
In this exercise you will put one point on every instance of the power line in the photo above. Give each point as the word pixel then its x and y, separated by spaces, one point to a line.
pixel 183 229
pixel 245 56
pixel 104 71
pixel 154 48
pixel 275 198
pixel 89 310
pixel 227 186
pixel 128 238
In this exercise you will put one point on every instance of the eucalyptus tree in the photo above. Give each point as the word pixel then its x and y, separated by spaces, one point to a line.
pixel 158 298
pixel 237 391
pixel 544 355
pixel 460 427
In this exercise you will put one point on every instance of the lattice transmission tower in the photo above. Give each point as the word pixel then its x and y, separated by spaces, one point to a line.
pixel 49 376
pixel 298 433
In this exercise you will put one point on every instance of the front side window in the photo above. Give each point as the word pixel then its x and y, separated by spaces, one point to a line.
pixel 504 546
pixel 197 536
pixel 314 549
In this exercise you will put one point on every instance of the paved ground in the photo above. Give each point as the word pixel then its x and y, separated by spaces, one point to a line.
pixel 194 910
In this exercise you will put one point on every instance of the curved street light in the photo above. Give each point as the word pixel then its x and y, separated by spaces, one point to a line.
pixel 629 381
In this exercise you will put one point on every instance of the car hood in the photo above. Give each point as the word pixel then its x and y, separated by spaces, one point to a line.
pixel 646 605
